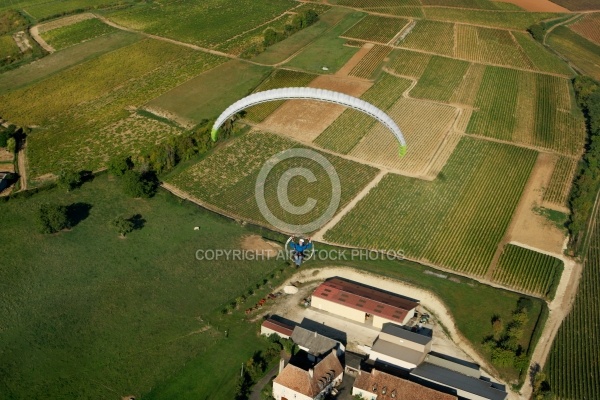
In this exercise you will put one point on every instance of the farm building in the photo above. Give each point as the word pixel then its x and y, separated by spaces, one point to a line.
pixel 464 386
pixel 362 303
pixel 303 380
pixel 315 344
pixel 378 385
pixel 273 326
pixel 400 347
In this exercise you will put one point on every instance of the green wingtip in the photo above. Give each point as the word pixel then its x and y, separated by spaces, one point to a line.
pixel 213 134
pixel 402 151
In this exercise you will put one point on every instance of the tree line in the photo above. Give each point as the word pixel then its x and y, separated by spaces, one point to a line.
pixel 271 36
pixel 587 180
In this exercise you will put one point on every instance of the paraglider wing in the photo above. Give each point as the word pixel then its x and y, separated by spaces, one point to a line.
pixel 302 93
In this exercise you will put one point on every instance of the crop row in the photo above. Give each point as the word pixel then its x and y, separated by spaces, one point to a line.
pixel 558 189
pixel 466 92
pixel 377 3
pixel 370 62
pixel 539 56
pixel 227 179
pixel 432 36
pixel 374 28
pixel 399 11
pixel 489 18
pixel 424 125
pixel 347 130
pixel 481 4
pixel 492 46
pixel 528 108
pixel 588 27
pixel 440 79
pixel 408 63
pixel 448 221
pixel 573 366
pixel 528 270
pixel 280 78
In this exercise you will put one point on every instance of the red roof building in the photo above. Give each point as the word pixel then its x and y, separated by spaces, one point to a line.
pixel 270 326
pixel 362 303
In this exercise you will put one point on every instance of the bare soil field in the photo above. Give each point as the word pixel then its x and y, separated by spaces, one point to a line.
pixel 6 156
pixel 527 226
pixel 537 5
pixel 304 120
pixel 258 244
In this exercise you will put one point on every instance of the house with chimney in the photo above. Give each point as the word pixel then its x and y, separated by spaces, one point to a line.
pixel 303 379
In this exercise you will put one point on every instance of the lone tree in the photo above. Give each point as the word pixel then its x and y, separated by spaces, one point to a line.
pixel 53 218
pixel 69 180
pixel 123 225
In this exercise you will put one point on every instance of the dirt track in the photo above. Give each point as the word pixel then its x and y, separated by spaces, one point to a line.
pixel 34 32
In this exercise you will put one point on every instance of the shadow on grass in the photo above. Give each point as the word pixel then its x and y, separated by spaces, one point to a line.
pixel 77 212
pixel 138 222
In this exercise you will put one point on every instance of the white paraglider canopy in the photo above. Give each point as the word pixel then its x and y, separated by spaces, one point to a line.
pixel 304 93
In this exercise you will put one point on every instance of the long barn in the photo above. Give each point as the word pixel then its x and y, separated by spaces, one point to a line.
pixel 362 303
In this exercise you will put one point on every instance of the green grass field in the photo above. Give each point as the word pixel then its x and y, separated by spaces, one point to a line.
pixel 226 179
pixel 86 312
pixel 328 50
pixel 585 55
pixel 208 23
pixel 88 99
pixel 208 94
pixel 9 49
pixel 455 221
pixel 528 270
pixel 70 35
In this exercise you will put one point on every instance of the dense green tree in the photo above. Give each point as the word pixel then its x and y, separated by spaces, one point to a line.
pixel 117 166
pixel 136 184
pixel 69 179
pixel 537 31
pixel 123 225
pixel 52 218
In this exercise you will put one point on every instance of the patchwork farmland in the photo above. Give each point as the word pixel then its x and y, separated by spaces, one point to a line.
pixel 486 108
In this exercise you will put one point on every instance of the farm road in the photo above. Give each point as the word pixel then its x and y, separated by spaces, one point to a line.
pixel 35 34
